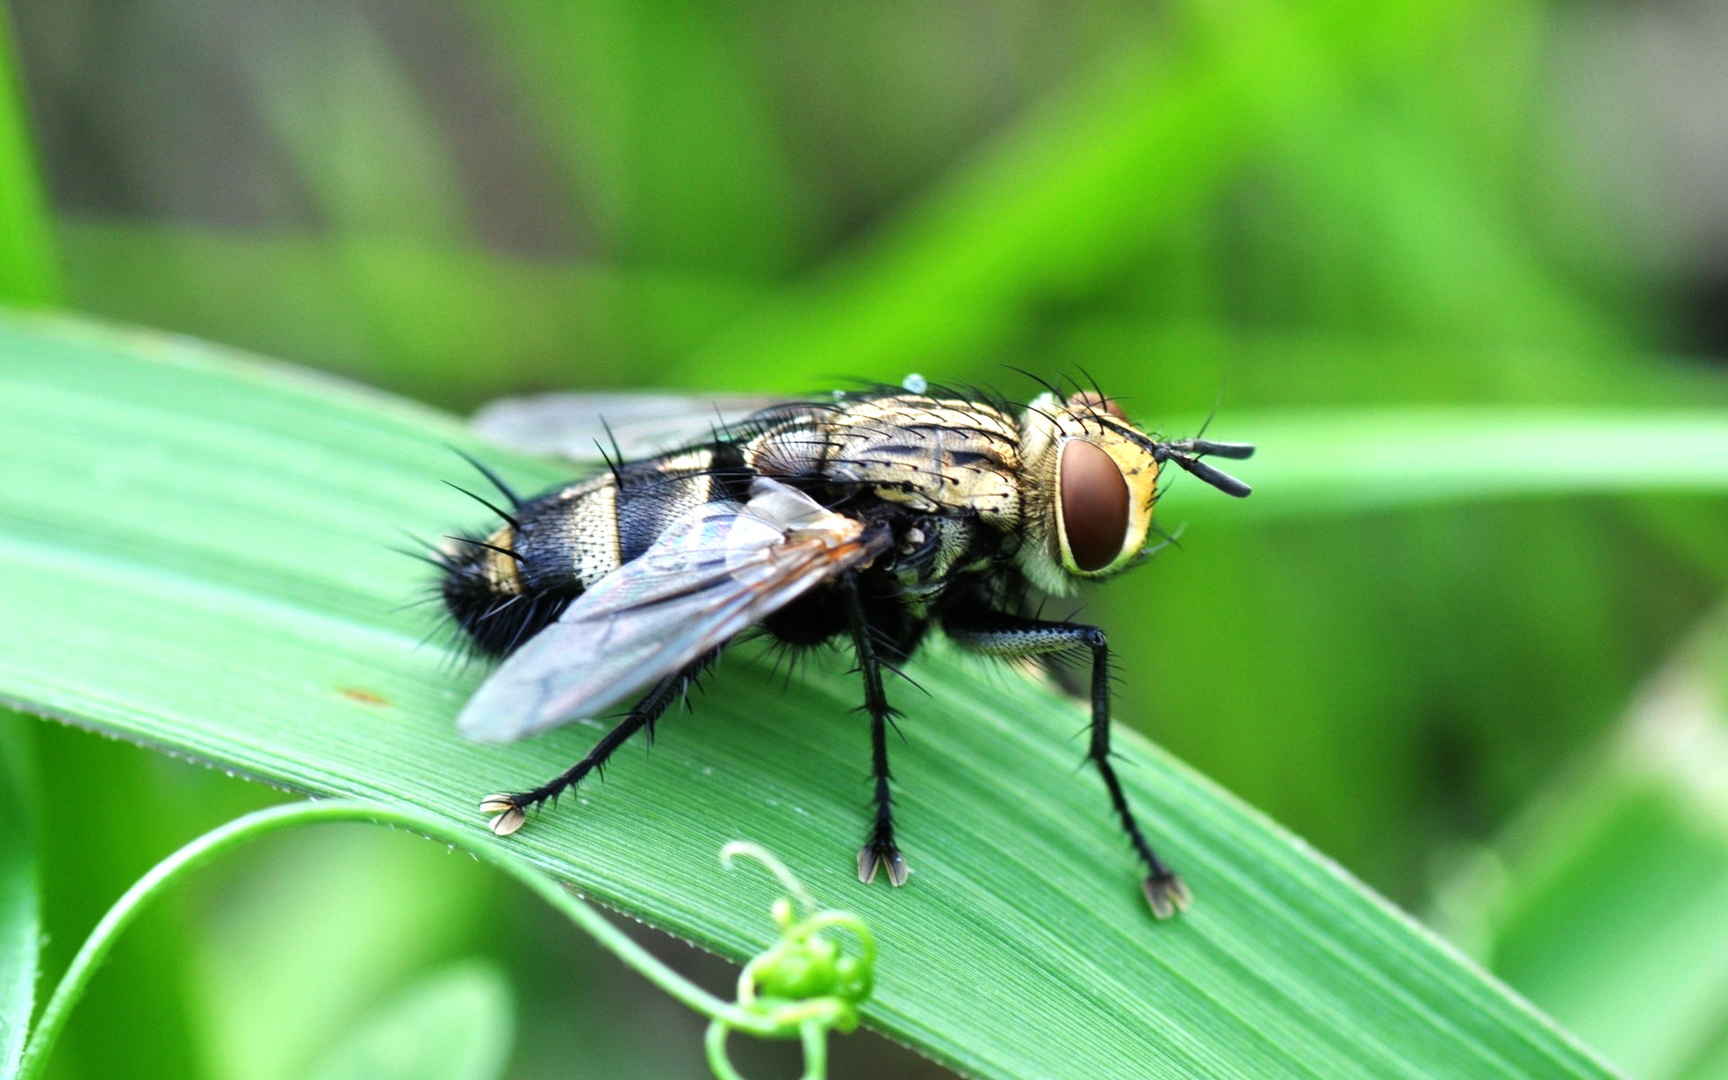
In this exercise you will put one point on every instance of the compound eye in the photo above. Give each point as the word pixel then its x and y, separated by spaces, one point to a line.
pixel 1094 506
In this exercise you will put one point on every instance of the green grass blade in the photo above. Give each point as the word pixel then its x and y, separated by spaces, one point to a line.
pixel 201 544
pixel 29 267
pixel 1635 839
pixel 1321 461
pixel 20 909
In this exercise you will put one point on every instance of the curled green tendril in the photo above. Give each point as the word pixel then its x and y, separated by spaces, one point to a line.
pixel 805 984
pixel 800 988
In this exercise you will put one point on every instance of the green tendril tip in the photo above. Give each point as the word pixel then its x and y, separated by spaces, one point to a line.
pixel 805 984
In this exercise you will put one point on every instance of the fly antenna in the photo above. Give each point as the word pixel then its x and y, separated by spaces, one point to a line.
pixel 1209 418
pixel 1218 478
pixel 1217 400
pixel 1188 453
pixel 1236 451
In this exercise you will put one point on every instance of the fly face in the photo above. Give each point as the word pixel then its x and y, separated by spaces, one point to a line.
pixel 1091 483
pixel 870 518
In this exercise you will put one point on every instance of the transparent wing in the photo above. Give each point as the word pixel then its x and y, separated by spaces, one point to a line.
pixel 575 425
pixel 724 567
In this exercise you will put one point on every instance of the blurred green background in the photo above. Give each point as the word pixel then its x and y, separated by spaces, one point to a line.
pixel 1507 716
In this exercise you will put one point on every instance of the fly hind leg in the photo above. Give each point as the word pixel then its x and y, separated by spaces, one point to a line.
pixel 1002 635
pixel 509 809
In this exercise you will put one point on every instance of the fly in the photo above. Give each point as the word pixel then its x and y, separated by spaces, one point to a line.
pixel 870 519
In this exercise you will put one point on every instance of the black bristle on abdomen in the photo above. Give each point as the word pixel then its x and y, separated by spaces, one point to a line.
pixel 495 618
pixel 496 623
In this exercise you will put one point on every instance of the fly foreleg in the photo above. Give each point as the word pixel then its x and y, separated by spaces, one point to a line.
pixel 995 634
pixel 878 852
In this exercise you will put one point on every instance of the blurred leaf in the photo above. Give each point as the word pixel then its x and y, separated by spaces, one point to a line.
pixel 487 324
pixel 1088 179
pixel 269 940
pixel 20 919
pixel 369 154
pixel 353 124
pixel 1405 212
pixel 29 273
pixel 223 526
pixel 655 108
pixel 1342 461
pixel 131 806
pixel 1712 1062
pixel 1612 889
pixel 1697 531
pixel 1158 363
pixel 453 1025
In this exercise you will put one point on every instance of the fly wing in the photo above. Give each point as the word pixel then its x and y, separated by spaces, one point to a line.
pixel 724 567
pixel 577 426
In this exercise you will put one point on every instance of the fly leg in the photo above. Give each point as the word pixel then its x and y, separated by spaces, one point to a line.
pixel 995 634
pixel 878 852
pixel 509 810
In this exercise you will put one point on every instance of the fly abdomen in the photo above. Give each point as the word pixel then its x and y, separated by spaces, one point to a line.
pixel 653 495
pixel 504 587
pixel 498 588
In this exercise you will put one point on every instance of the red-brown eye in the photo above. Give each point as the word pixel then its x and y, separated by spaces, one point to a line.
pixel 1094 505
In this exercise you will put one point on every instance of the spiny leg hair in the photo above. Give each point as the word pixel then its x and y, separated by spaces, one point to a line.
pixel 509 809
pixel 879 851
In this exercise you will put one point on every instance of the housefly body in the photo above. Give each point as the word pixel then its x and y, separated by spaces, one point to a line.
pixel 869 519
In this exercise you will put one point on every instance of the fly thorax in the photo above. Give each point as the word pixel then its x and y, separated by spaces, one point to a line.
pixel 944 456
